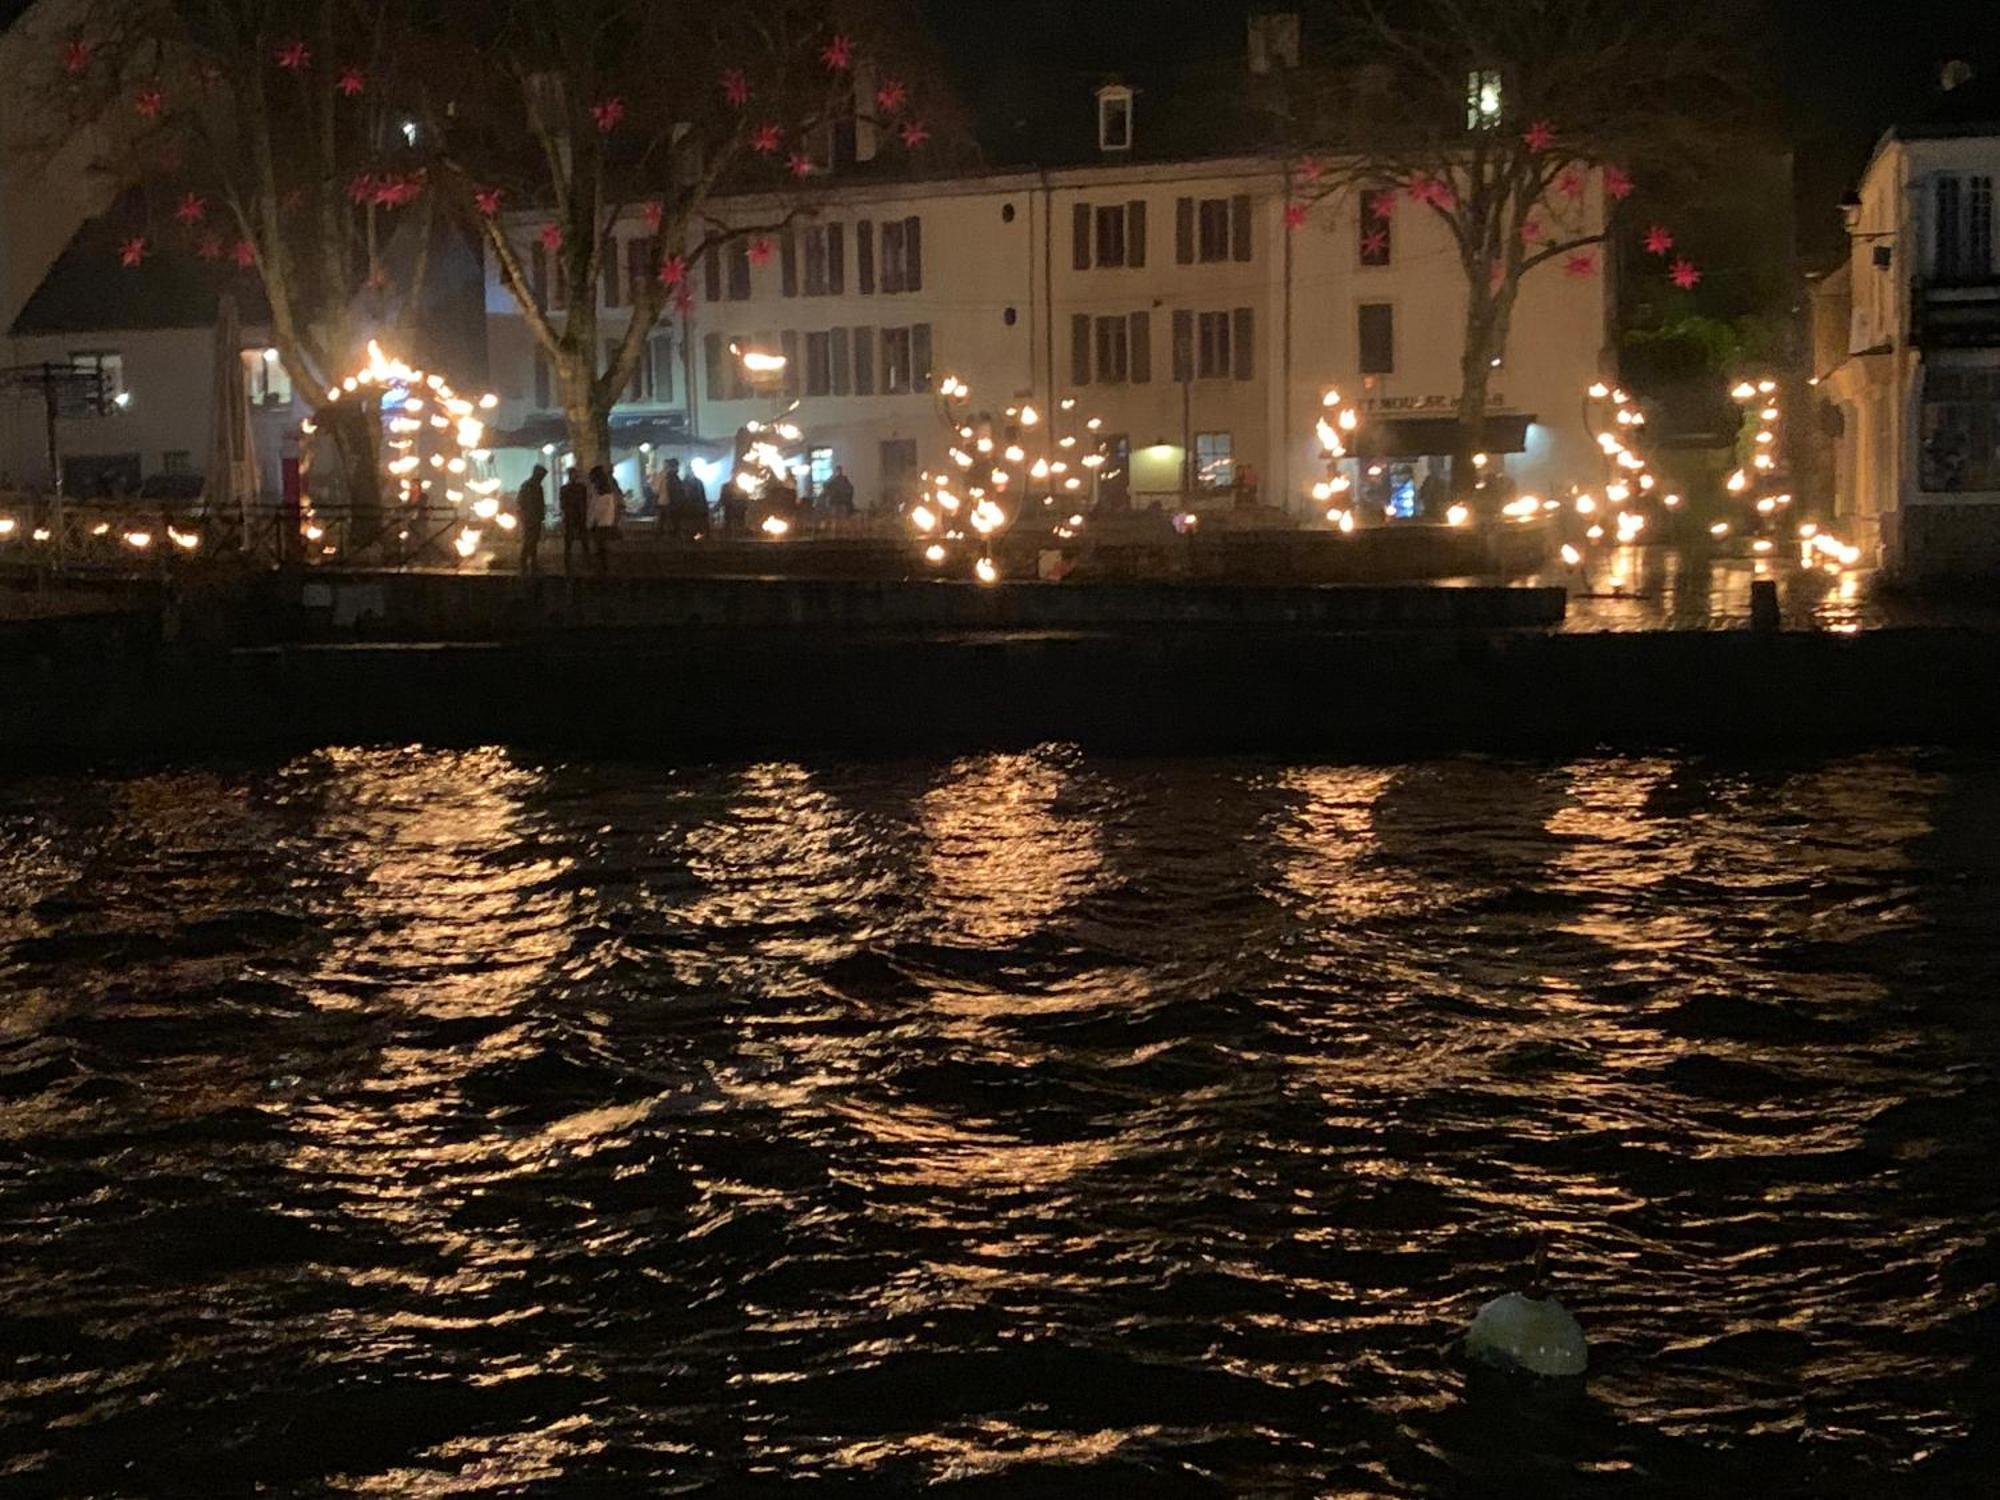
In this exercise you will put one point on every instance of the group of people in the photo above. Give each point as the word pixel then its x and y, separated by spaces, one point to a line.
pixel 590 508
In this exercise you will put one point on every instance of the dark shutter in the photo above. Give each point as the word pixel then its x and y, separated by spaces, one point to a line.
pixel 836 259
pixel 1079 349
pixel 864 257
pixel 1135 232
pixel 711 273
pixel 538 272
pixel 1079 230
pixel 1184 232
pixel 1239 226
pixel 1183 345
pixel 864 361
pixel 1245 348
pixel 789 343
pixel 712 357
pixel 788 264
pixel 607 270
pixel 662 349
pixel 843 372
pixel 913 254
pixel 1142 347
pixel 739 270
pixel 920 357
pixel 1376 336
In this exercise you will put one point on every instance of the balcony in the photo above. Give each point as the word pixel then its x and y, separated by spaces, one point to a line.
pixel 1956 314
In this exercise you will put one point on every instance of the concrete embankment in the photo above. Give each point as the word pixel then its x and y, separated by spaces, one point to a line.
pixel 1155 687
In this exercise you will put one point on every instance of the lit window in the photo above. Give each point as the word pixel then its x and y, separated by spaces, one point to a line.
pixel 1214 461
pixel 1482 99
pixel 109 368
pixel 819 462
pixel 265 378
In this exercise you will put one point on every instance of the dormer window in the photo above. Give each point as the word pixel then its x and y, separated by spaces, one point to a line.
pixel 1114 118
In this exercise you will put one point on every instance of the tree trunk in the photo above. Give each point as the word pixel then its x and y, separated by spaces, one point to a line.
pixel 589 422
pixel 353 425
pixel 1475 379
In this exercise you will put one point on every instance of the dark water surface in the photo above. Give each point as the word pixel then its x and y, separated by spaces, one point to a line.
pixel 418 1124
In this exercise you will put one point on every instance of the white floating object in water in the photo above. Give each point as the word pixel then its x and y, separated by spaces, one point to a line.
pixel 1535 1334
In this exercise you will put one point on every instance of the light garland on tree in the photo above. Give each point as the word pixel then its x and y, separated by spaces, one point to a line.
pixel 1335 426
pixel 1018 458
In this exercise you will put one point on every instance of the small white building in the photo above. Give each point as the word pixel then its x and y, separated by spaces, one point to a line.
pixel 1917 386
pixel 1170 299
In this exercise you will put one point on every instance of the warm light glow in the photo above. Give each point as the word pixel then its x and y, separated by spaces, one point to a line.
pixel 1738 482
pixel 986 571
pixel 1457 515
pixel 1570 555
pixel 775 526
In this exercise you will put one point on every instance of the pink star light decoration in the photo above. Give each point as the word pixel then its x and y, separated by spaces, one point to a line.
pixel 1375 242
pixel 838 54
pixel 487 200
pixel 132 252
pixel 765 138
pixel 1659 239
pixel 914 134
pixel 552 237
pixel 191 209
pixel 760 252
pixel 1581 264
pixel 1684 274
pixel 210 247
pixel 1539 136
pixel 1295 215
pixel 149 103
pixel 76 56
pixel 1382 205
pixel 736 87
pixel 801 165
pixel 1618 183
pixel 673 270
pixel 1532 232
pixel 1310 170
pixel 653 213
pixel 607 113
pixel 245 254
pixel 294 57
pixel 891 97
pixel 1570 184
pixel 351 82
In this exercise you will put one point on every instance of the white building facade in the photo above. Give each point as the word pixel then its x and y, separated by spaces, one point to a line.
pixel 1917 458
pixel 1172 301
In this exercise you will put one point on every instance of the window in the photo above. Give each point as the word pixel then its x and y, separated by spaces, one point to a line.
pixel 841 359
pixel 1212 347
pixel 265 378
pixel 864 257
pixel 895 361
pixel 653 381
pixel 1111 235
pixel 1140 338
pixel 177 461
pixel 1375 240
pixel 920 356
pixel 903 255
pixel 819 467
pixel 1214 461
pixel 1244 340
pixel 1114 119
pixel 819 364
pixel 739 379
pixel 788 344
pixel 1214 229
pixel 1482 99
pixel 864 361
pixel 739 270
pixel 1963 231
pixel 1113 350
pixel 711 273
pixel 109 368
pixel 1961 431
pixel 826 260
pixel 712 360
pixel 788 264
pixel 1183 346
pixel 638 267
pixel 1376 335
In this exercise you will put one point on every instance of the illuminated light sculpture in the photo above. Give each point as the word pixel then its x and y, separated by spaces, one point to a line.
pixel 1335 428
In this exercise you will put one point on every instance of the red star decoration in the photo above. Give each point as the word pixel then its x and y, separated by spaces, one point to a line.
pixel 294 57
pixel 914 134
pixel 487 200
pixel 149 103
pixel 1539 136
pixel 1583 263
pixel 607 113
pixel 673 270
pixel 552 236
pixel 351 82
pixel 1382 205
pixel 1295 215
pixel 765 138
pixel 360 188
pixel 132 252
pixel 397 192
pixel 736 87
pixel 683 299
pixel 1310 169
pixel 1435 191
pixel 891 97
pixel 1684 274
pixel 1659 239
pixel 838 54
pixel 1618 183
pixel 760 252
pixel 245 254
pixel 1570 184
pixel 191 209
pixel 76 56
pixel 801 164
pixel 653 213
pixel 1496 274
pixel 1531 232
pixel 210 247
pixel 1375 241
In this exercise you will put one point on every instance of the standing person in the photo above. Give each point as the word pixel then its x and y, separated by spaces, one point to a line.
pixel 674 488
pixel 574 501
pixel 696 496
pixel 840 493
pixel 604 507
pixel 1431 494
pixel 531 504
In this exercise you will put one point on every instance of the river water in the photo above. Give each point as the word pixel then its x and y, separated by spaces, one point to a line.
pixel 396 1122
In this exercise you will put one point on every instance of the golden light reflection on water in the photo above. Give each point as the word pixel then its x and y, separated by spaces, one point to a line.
pixel 1329 854
pixel 1003 855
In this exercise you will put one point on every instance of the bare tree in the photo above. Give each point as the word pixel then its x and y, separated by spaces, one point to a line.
pixel 265 138
pixel 1521 126
pixel 567 117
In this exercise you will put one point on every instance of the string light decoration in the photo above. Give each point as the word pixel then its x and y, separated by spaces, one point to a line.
pixel 1759 482
pixel 1003 470
pixel 766 454
pixel 1335 427
pixel 433 440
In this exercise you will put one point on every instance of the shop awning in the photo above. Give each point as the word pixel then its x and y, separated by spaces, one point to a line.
pixel 1434 437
